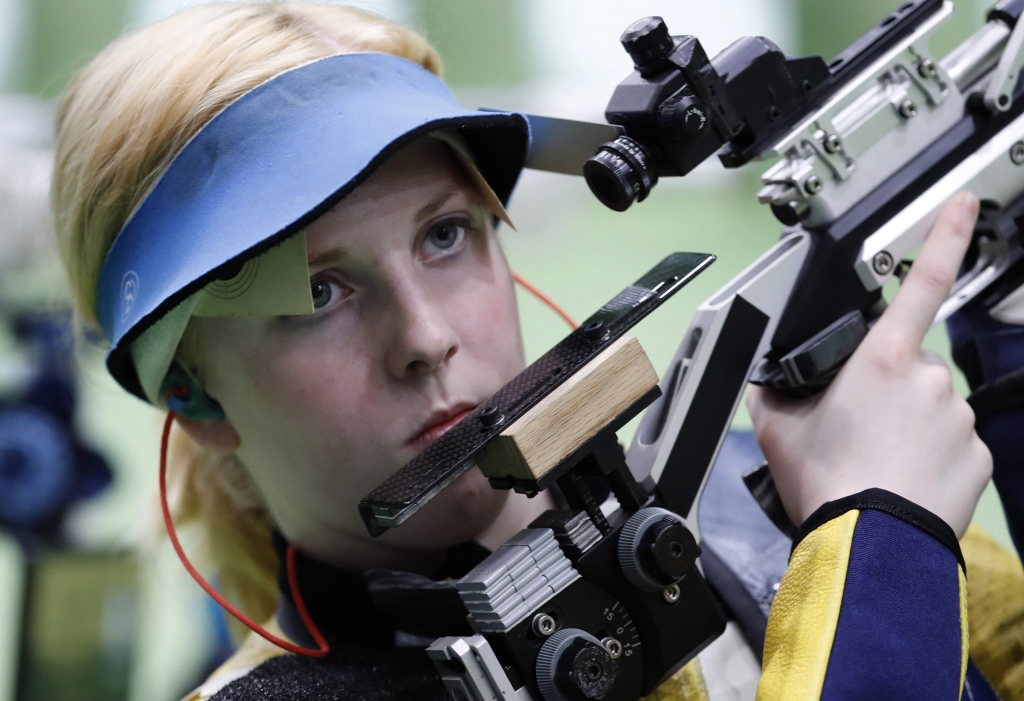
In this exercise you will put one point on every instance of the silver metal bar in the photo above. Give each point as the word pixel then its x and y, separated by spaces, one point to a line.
pixel 992 173
pixel 873 125
pixel 976 56
pixel 999 93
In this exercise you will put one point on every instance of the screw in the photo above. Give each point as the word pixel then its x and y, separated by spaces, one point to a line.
pixel 813 185
pixel 490 416
pixel 832 143
pixel 773 113
pixel 926 68
pixel 882 262
pixel 1017 153
pixel 671 594
pixel 543 625
pixel 595 330
pixel 908 109
pixel 613 646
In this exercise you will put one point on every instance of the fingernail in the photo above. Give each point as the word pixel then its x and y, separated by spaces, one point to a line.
pixel 968 203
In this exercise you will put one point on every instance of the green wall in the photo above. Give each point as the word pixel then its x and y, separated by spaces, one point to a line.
pixel 473 56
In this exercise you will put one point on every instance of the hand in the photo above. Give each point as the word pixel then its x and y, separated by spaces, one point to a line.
pixel 891 418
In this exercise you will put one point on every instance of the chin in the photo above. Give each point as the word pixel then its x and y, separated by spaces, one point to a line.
pixel 459 513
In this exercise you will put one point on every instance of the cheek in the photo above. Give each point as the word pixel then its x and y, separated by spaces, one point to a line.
pixel 331 394
pixel 296 398
pixel 487 322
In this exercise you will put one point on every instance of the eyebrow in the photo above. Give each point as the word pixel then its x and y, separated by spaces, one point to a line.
pixel 325 257
pixel 430 208
pixel 425 212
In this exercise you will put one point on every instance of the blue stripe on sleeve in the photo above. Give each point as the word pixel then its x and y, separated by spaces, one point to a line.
pixel 899 630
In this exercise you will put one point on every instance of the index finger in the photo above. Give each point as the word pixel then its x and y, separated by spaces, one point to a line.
pixel 933 273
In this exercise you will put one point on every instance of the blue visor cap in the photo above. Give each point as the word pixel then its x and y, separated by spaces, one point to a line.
pixel 270 163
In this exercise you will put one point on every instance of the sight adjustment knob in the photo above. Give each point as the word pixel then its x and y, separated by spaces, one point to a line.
pixel 573 665
pixel 656 549
pixel 668 551
pixel 687 118
pixel 647 40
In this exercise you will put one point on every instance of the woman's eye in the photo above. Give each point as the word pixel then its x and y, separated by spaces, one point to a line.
pixel 324 292
pixel 446 235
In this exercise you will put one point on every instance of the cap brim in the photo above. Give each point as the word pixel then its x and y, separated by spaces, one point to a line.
pixel 270 163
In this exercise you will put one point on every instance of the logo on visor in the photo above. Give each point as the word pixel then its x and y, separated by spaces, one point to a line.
pixel 129 293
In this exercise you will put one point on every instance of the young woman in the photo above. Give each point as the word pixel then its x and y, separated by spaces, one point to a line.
pixel 206 141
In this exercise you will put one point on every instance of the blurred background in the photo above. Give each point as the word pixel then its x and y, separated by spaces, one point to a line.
pixel 81 616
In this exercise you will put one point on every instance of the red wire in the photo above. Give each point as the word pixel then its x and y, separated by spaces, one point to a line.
pixel 545 299
pixel 293 580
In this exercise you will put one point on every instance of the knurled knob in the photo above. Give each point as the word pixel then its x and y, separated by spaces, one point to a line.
pixel 573 664
pixel 668 551
pixel 647 40
pixel 655 549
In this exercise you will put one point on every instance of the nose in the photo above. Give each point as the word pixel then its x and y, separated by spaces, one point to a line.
pixel 422 340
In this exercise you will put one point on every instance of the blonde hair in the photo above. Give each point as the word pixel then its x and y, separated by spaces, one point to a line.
pixel 119 125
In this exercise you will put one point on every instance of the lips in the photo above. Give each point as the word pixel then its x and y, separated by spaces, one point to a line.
pixel 438 424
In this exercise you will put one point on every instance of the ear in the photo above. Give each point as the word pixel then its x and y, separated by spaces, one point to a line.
pixel 215 435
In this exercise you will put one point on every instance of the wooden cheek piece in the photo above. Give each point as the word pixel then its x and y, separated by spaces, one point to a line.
pixel 572 414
